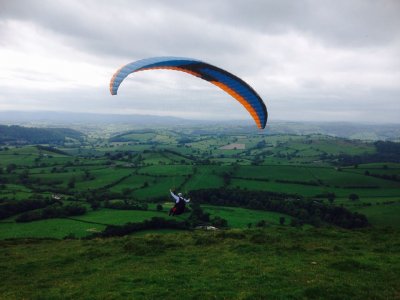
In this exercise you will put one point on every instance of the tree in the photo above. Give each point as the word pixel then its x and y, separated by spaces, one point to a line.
pixel 219 222
pixel 24 176
pixel 71 183
pixel 295 222
pixel 353 197
pixel 95 205
pixel 126 192
pixel 74 210
pixel 226 177
pixel 261 223
pixel 261 144
pixel 11 167
pixel 198 215
pixel 87 175
pixel 331 197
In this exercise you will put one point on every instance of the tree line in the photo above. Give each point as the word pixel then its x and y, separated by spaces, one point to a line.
pixel 386 151
pixel 196 217
pixel 303 210
pixel 52 211
pixel 153 223
pixel 9 208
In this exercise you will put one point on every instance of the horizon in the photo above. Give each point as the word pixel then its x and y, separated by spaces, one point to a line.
pixel 224 121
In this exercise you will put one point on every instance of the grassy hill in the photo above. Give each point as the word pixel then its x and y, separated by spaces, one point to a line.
pixel 277 262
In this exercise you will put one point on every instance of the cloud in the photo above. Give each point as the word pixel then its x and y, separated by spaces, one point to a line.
pixel 317 60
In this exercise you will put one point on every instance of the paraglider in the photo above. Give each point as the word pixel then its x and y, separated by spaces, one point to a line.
pixel 228 82
pixel 180 204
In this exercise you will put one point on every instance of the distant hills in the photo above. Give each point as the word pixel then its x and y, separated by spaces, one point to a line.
pixel 349 130
pixel 125 122
pixel 24 135
pixel 67 118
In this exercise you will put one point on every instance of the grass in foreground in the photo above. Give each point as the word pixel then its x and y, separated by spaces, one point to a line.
pixel 277 262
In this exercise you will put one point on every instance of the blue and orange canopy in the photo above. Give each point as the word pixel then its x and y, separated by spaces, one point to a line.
pixel 228 82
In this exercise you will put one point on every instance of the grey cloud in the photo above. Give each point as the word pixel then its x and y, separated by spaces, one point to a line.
pixel 345 23
pixel 118 27
pixel 254 39
pixel 129 29
pixel 381 106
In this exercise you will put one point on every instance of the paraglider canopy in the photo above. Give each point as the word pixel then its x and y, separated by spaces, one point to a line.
pixel 228 82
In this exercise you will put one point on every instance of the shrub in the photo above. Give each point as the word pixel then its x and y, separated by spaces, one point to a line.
pixel 353 197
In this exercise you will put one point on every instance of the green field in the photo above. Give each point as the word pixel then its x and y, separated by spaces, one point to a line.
pixel 383 214
pixel 95 221
pixel 134 181
pixel 158 187
pixel 52 228
pixel 167 170
pixel 203 179
pixel 146 165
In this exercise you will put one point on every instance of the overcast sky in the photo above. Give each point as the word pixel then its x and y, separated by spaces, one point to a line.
pixel 309 60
